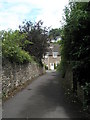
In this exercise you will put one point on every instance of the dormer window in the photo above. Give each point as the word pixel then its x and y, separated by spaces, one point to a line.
pixel 55 54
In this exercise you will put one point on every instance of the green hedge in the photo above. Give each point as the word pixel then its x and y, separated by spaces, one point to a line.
pixel 12 47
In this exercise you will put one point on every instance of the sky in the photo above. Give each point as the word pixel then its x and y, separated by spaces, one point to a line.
pixel 14 12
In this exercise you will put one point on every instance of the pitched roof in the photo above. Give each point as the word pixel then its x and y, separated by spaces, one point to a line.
pixel 53 48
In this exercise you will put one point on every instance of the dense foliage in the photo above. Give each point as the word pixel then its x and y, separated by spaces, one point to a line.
pixel 20 45
pixel 53 33
pixel 38 35
pixel 76 42
pixel 12 47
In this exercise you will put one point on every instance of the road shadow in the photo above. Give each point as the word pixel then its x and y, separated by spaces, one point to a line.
pixel 49 101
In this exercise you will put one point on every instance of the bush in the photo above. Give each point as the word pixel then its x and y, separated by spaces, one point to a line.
pixel 55 67
pixel 62 68
pixel 11 49
pixel 46 68
pixel 86 101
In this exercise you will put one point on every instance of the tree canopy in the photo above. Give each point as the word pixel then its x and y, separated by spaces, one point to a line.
pixel 12 47
pixel 38 35
pixel 76 40
pixel 29 40
pixel 53 33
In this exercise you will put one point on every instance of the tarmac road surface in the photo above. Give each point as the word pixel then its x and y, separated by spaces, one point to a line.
pixel 43 98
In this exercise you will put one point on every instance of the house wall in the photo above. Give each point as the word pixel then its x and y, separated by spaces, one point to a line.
pixel 50 59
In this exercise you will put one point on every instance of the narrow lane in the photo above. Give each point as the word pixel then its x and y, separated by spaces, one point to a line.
pixel 43 98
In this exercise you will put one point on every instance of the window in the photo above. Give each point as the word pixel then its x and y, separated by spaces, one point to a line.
pixel 55 54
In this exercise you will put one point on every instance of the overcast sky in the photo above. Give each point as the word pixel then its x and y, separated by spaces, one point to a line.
pixel 14 12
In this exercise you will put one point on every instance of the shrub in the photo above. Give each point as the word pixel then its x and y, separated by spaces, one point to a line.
pixel 46 68
pixel 11 47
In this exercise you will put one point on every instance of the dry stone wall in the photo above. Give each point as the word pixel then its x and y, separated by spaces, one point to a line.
pixel 14 74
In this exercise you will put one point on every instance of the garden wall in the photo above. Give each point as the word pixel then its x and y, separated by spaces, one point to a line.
pixel 14 75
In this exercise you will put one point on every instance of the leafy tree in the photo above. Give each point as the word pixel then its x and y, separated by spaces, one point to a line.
pixel 53 33
pixel 38 36
pixel 12 47
pixel 75 46
pixel 76 41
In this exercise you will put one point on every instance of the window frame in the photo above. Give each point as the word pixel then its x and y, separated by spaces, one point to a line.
pixel 55 54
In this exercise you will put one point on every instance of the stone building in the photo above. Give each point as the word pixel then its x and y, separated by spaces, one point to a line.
pixel 52 57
